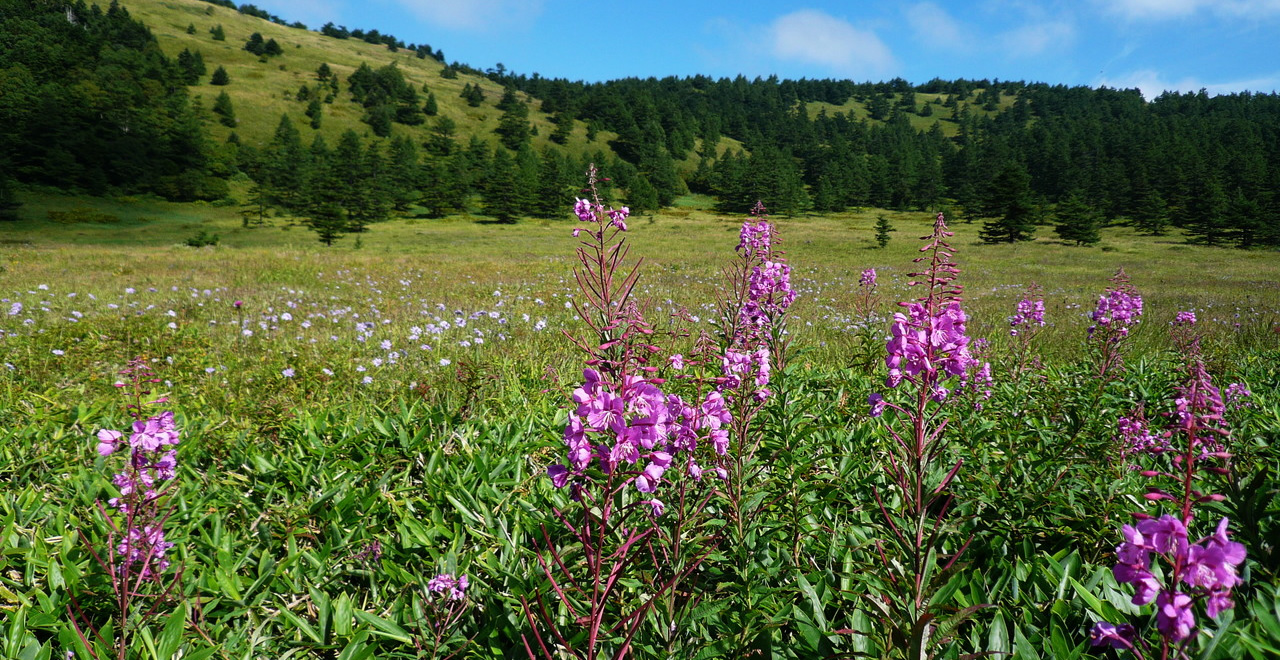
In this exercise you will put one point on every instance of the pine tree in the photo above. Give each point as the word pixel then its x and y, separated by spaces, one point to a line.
pixel 323 72
pixel 1077 221
pixel 271 48
pixel 1152 214
pixel 513 126
pixel 254 212
pixel 218 33
pixel 328 222
pixel 882 231
pixel 402 174
pixel 430 108
pixel 504 196
pixel 9 203
pixel 440 141
pixel 223 108
pixel 192 65
pixel 255 44
pixel 191 28
pixel 1009 207
pixel 220 77
pixel 315 111
pixel 642 197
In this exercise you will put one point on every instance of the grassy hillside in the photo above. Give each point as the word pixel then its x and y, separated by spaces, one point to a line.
pixel 262 89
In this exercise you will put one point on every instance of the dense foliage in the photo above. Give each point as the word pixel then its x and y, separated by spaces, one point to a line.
pixel 89 102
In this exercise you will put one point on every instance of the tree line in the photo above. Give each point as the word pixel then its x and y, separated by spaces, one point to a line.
pixel 1013 155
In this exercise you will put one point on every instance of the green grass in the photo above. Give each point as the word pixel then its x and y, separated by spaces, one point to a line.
pixel 286 479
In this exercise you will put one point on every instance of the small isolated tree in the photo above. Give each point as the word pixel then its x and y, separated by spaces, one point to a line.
pixel 255 44
pixel 272 48
pixel 323 72
pixel 225 111
pixel 191 28
pixel 328 222
pixel 1009 206
pixel 1078 222
pixel 220 77
pixel 430 107
pixel 218 33
pixel 882 231
pixel 315 110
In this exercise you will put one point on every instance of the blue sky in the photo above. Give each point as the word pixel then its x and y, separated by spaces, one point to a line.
pixel 1220 45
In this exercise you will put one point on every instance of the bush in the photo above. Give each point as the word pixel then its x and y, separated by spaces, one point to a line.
pixel 202 239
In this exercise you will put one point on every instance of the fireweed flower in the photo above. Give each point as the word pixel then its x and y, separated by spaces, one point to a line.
pixel 1117 311
pixel 1029 313
pixel 445 583
pixel 868 278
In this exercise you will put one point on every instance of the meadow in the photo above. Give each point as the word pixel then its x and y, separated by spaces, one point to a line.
pixel 358 420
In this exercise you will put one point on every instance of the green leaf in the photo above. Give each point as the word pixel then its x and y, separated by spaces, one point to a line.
pixel 384 627
pixel 171 637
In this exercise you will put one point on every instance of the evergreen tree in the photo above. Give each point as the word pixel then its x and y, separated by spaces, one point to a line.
pixel 327 221
pixel 504 196
pixel 192 65
pixel 254 212
pixel 315 111
pixel 220 77
pixel 430 108
pixel 553 193
pixel 379 120
pixel 440 141
pixel 440 188
pixel 642 197
pixel 284 165
pixel 191 28
pixel 271 48
pixel 1009 207
pixel 1206 212
pixel 1152 214
pixel 9 203
pixel 882 231
pixel 255 44
pixel 1077 221
pixel 223 108
pixel 402 174
pixel 323 72
pixel 218 33
pixel 513 126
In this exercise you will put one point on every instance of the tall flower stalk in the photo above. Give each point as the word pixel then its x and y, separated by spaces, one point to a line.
pixel 1027 322
pixel 1157 557
pixel 928 350
pixel 1117 312
pixel 627 442
pixel 136 557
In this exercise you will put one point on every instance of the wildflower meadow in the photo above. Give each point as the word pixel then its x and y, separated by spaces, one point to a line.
pixel 618 436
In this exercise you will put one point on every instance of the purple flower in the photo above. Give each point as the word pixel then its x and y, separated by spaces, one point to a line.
pixel 287 373
pixel 677 362
pixel 107 440
pixel 559 475
pixel 657 507
pixel 1174 616
pixel 877 403
pixel 1185 318
pixel 1030 312
pixel 1109 634
pixel 445 582
pixel 868 278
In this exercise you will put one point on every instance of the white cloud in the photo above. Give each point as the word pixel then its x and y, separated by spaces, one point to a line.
pixel 1168 9
pixel 815 37
pixel 1036 38
pixel 475 15
pixel 1152 84
pixel 934 27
